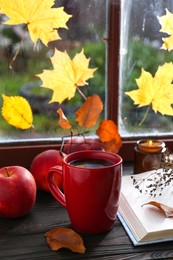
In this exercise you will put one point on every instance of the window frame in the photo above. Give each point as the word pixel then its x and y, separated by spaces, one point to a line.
pixel 22 153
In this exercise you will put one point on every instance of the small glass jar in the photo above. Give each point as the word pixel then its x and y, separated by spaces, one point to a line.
pixel 148 155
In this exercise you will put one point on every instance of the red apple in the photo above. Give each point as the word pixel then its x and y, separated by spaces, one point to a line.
pixel 17 192
pixel 80 143
pixel 41 165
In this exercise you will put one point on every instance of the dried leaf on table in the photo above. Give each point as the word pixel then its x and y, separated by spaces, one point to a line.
pixel 109 136
pixel 65 238
pixel 88 113
pixel 17 112
pixel 63 121
pixel 167 210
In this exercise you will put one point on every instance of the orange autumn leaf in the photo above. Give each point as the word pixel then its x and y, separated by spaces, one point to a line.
pixel 65 238
pixel 109 136
pixel 89 112
pixel 112 146
pixel 167 210
pixel 107 130
pixel 63 121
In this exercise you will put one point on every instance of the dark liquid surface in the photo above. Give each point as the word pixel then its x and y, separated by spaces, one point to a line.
pixel 91 163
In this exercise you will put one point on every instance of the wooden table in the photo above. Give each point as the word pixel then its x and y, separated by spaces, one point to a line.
pixel 24 238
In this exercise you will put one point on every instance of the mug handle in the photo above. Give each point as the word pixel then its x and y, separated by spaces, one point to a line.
pixel 54 189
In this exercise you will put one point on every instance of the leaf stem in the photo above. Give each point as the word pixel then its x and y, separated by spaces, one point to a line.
pixel 16 54
pixel 145 116
pixel 81 93
pixel 8 175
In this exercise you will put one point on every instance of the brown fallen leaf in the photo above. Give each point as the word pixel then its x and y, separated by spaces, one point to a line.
pixel 167 210
pixel 63 121
pixel 65 238
pixel 88 113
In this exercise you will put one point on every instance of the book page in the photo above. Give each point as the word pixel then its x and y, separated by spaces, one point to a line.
pixel 146 219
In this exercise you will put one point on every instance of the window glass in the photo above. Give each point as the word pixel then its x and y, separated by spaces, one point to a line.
pixel 141 42
pixel 17 74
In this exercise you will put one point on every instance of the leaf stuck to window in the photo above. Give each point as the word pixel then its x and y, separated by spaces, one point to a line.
pixel 155 91
pixel 65 238
pixel 66 75
pixel 166 27
pixel 17 112
pixel 41 24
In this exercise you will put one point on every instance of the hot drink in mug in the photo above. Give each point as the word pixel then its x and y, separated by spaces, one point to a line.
pixel 91 189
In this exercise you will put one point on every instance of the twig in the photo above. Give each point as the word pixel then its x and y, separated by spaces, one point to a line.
pixel 81 93
pixel 145 116
pixel 158 179
pixel 16 54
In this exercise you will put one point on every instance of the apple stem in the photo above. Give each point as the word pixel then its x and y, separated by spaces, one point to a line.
pixel 6 169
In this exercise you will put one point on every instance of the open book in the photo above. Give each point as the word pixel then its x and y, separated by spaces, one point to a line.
pixel 144 224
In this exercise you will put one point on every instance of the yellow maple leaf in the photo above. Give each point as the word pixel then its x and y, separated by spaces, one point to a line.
pixel 156 91
pixel 41 19
pixel 17 111
pixel 166 22
pixel 66 75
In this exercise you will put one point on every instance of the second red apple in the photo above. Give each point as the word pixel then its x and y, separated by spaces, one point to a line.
pixel 41 165
pixel 80 144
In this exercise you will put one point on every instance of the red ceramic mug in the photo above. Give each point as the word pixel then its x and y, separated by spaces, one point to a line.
pixel 91 189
